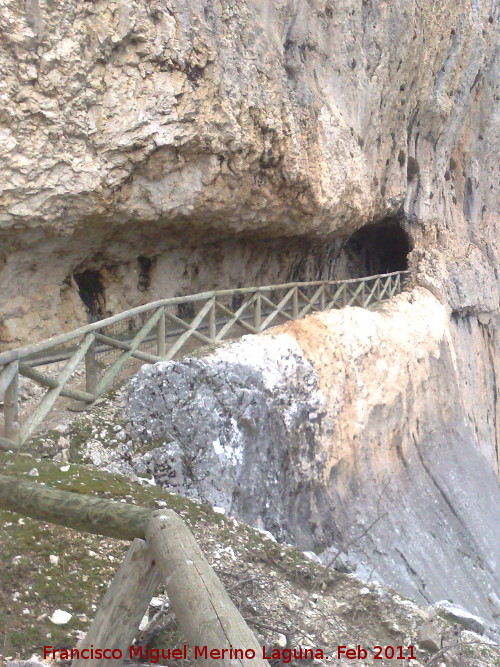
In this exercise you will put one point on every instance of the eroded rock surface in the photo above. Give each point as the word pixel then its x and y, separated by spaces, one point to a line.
pixel 347 431
pixel 155 148
pixel 143 134
pixel 239 432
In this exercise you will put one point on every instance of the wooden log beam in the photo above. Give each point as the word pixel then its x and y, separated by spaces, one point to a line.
pixel 7 374
pixel 51 396
pixel 383 289
pixel 113 371
pixel 310 302
pixel 235 318
pixel 190 331
pixel 278 308
pixel 127 347
pixel 186 326
pixel 367 298
pixel 52 383
pixel 65 508
pixel 123 606
pixel 335 298
pixel 204 611
pixel 354 295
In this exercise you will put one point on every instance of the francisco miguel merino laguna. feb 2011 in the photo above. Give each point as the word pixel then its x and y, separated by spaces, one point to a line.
pixel 286 655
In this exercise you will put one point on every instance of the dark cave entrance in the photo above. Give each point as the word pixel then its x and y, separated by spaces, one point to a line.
pixel 91 291
pixel 376 248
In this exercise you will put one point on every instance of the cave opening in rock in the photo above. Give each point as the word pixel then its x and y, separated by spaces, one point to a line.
pixel 145 267
pixel 91 291
pixel 380 247
pixel 115 284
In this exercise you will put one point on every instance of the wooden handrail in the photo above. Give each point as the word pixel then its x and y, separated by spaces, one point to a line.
pixel 22 352
pixel 270 303
pixel 205 613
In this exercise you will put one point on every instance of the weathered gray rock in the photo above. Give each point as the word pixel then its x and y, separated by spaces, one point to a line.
pixel 237 435
pixel 462 616
pixel 429 637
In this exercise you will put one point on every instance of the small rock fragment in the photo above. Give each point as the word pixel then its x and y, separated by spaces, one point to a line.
pixel 62 457
pixel 429 638
pixel 312 556
pixel 461 616
pixel 60 617
pixel 156 602
pixel 144 623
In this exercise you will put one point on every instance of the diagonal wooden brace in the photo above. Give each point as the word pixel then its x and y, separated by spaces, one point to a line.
pixel 110 375
pixel 51 396
pixel 235 318
pixel 190 331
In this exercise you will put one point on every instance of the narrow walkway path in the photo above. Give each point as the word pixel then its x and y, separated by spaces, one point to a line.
pixel 85 363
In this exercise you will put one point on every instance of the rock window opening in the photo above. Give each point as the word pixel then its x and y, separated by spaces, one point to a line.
pixel 145 267
pixel 91 291
pixel 381 247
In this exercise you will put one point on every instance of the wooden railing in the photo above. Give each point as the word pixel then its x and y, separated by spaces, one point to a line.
pixel 84 363
pixel 163 551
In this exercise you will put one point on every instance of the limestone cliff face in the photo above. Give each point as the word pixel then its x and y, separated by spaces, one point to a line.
pixel 137 136
pixel 367 433
pixel 164 147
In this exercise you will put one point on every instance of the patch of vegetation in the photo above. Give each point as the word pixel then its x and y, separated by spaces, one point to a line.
pixel 30 581
pixel 47 567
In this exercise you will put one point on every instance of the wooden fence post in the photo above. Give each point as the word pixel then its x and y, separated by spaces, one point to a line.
pixel 258 313
pixel 160 335
pixel 11 407
pixel 295 303
pixel 91 369
pixel 123 606
pixel 204 611
pixel 212 327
